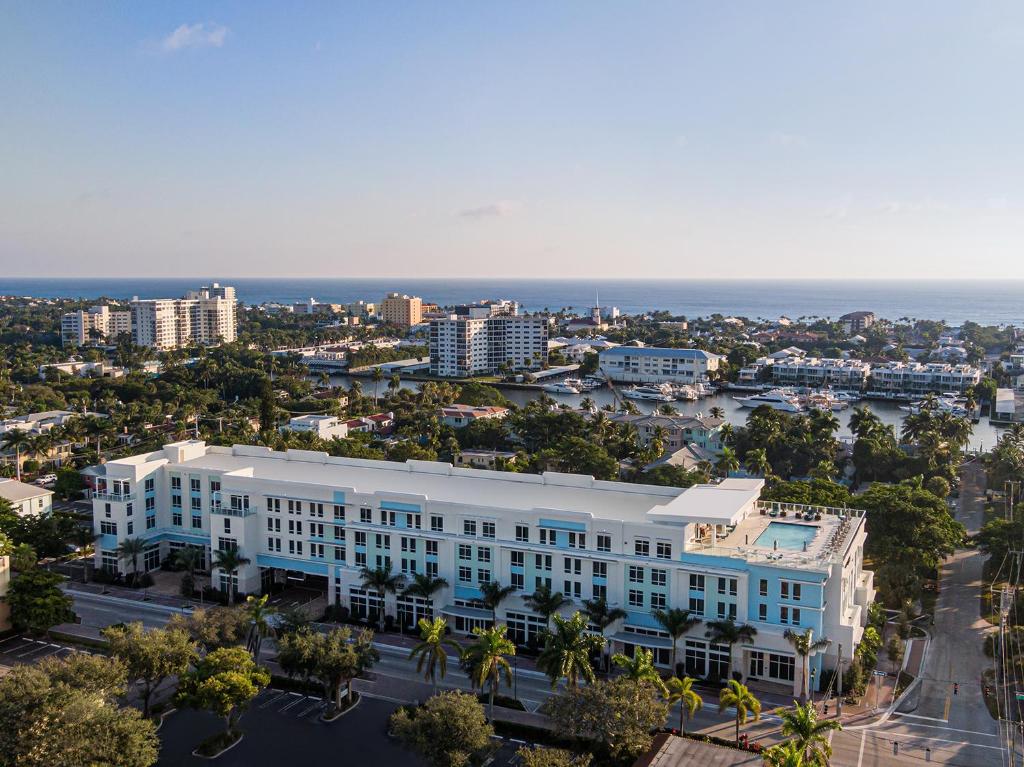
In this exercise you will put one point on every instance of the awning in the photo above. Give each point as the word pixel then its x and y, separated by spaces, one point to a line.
pixel 473 613
pixel 657 643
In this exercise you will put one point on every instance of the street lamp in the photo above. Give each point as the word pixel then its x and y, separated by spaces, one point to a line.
pixel 813 673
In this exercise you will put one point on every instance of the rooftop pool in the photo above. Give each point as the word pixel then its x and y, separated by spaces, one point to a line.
pixel 788 536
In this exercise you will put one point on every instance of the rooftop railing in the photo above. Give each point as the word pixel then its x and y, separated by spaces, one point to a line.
pixel 119 497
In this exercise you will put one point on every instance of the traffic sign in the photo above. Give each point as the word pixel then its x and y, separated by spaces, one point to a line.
pixel 1019 695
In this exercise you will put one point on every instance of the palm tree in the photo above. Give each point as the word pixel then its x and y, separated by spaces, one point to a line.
pixel 85 539
pixel 259 613
pixel 805 645
pixel 864 422
pixel 567 651
pixel 188 559
pixel 810 734
pixel 681 691
pixel 492 594
pixel 736 695
pixel 676 622
pixel 640 668
pixel 602 616
pixel 727 462
pixel 488 660
pixel 546 602
pixel 787 754
pixel 383 581
pixel 378 376
pixel 131 549
pixel 431 652
pixel 424 586
pixel 17 439
pixel 728 632
pixel 717 412
pixel 756 462
pixel 230 560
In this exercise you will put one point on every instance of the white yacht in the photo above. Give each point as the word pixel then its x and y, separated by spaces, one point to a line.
pixel 942 405
pixel 777 399
pixel 560 387
pixel 654 392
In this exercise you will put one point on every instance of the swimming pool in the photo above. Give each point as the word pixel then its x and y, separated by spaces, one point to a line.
pixel 788 536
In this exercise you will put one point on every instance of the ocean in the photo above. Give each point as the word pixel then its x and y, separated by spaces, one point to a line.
pixel 989 302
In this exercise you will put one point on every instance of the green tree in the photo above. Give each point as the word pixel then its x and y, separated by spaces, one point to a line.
pixel 736 695
pixel 727 462
pixel 18 439
pixel 224 682
pixel 259 613
pixel 37 603
pixel 151 657
pixel 383 581
pixel 338 659
pixel 65 713
pixel 787 754
pixel 214 628
pixel 809 733
pixel 540 756
pixel 488 657
pixel 492 594
pixel 728 632
pixel 230 561
pixel 431 649
pixel 568 649
pixel 23 558
pixel 449 730
pixel 546 602
pixel 602 615
pixel 677 622
pixel 805 646
pixel 130 549
pixel 640 668
pixel 681 691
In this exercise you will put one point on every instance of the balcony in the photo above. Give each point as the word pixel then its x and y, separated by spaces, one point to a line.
pixel 118 497
pixel 231 511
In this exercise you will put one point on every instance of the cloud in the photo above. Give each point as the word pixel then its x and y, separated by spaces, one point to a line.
pixel 200 35
pixel 498 209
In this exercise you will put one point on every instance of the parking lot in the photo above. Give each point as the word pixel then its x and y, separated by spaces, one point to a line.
pixel 291 704
pixel 22 649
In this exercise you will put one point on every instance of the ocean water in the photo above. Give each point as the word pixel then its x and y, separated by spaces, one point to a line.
pixel 989 302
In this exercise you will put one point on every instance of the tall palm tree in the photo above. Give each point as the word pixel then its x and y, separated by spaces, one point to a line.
pixel 864 422
pixel 488 657
pixel 546 602
pixel 787 754
pixel 567 651
pixel 681 691
pixel 810 734
pixel 728 632
pixel 492 594
pixel 727 462
pixel 85 539
pixel 602 615
pixel 424 586
pixel 17 439
pixel 676 622
pixel 736 695
pixel 756 462
pixel 640 668
pixel 717 412
pixel 259 613
pixel 378 376
pixel 230 560
pixel 805 645
pixel 431 649
pixel 383 581
pixel 131 549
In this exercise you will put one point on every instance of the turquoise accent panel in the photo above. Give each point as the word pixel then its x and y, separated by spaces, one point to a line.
pixel 339 497
pixel 467 592
pixel 558 524
pixel 395 506
pixel 284 563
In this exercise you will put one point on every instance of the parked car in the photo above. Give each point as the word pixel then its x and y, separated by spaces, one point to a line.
pixel 47 479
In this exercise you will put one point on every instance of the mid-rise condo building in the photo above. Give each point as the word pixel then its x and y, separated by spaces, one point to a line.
pixel 917 379
pixel 207 317
pixel 715 550
pixel 847 375
pixel 404 311
pixel 93 326
pixel 466 345
pixel 652 364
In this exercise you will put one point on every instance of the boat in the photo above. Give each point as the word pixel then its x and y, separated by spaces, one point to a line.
pixel 657 393
pixel 941 405
pixel 777 399
pixel 685 392
pixel 846 396
pixel 823 400
pixel 560 387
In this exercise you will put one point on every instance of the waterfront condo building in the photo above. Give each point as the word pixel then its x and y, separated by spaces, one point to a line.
pixel 206 317
pixel 404 311
pixel 817 372
pixel 715 550
pixel 93 326
pixel 467 345
pixel 652 364
pixel 917 379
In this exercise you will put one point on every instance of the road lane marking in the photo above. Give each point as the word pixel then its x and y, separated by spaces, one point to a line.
pixel 860 752
pixel 911 738
pixel 948 729
pixel 918 716
pixel 945 711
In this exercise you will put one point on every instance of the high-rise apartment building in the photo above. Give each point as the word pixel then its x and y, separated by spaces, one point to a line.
pixel 93 326
pixel 206 316
pixel 466 345
pixel 404 311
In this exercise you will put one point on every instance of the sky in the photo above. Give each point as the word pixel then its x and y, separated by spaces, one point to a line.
pixel 534 139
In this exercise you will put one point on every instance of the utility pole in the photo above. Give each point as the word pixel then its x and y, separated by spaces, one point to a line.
pixel 839 686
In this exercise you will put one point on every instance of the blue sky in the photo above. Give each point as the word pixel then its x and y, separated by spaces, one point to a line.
pixel 595 139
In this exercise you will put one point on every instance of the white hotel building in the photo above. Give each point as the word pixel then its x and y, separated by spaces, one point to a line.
pixel 652 364
pixel 712 549
pixel 206 317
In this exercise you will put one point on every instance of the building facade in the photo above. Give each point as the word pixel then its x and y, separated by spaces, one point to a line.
pixel 466 345
pixel 93 326
pixel 855 322
pixel 817 372
pixel 206 317
pixel 404 311
pixel 676 431
pixel 26 499
pixel 917 379
pixel 712 549
pixel 651 364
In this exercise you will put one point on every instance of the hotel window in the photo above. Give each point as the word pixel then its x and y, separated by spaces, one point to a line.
pixel 197 522
pixel 522 533
pixel 295 527
pixel 151 504
pixel 517 558
pixel 339 533
pixel 542 562
pixel 271 544
pixel 176 518
pixel 664 550
pixel 339 553
pixel 316 510
pixel 790 590
pixel 465 575
pixel 726 611
pixel 366 516
pixel 227 525
pixel 762 612
pixel 577 540
pixel 487 529
pixel 465 551
pixel 762 587
pixel 659 577
pixel 150 523
pixel 106 510
pixel 600 591
pixel 432 569
pixel 600 569
pixel 573 589
pixel 360 559
pixel 517 580
pixel 194 484
pixel 483 576
pixel 226 544
pixel 273 525
pixel 727 586
pixel 636 574
pixel 149 485
pixel 408 544
pixel 108 528
pixel 175 482
pixel 636 598
pixel 383 541
pixel 274 505
pixel 789 616
pixel 316 529
pixel 197 504
pixel 547 537
pixel 469 527
pixel 696 606
pixel 360 538
pixel 214 486
pixel 604 542
pixel 339 511
pixel 696 582
pixel 128 509
pixel 294 507
pixel 781 667
pixel 175 501
pixel 131 527
pixel 658 600
pixel 573 565
pixel 437 524
pixel 431 547
pixel 642 547
pixel 483 554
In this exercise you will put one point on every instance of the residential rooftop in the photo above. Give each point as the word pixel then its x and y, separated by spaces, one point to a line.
pixel 15 492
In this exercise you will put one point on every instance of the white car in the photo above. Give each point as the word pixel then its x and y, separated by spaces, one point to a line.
pixel 47 479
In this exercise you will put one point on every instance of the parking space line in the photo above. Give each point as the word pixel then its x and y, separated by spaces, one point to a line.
pixel 276 697
pixel 8 639
pixel 294 703
pixel 32 649
pixel 316 705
